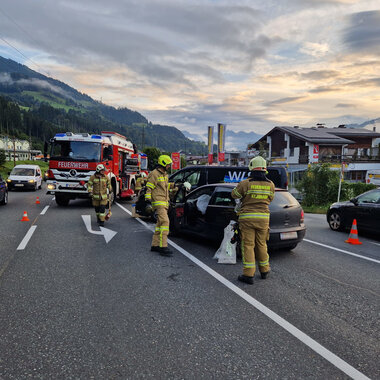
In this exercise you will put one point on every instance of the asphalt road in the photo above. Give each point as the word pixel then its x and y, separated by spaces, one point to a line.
pixel 75 307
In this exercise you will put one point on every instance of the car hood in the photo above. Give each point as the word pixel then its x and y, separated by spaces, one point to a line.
pixel 340 204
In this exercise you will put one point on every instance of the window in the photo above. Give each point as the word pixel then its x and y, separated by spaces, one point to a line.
pixel 205 190
pixel 193 178
pixel 222 197
pixel 370 197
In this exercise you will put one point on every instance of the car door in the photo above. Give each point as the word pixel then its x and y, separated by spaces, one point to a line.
pixel 367 211
pixel 195 209
pixel 38 177
pixel 220 210
pixel 2 189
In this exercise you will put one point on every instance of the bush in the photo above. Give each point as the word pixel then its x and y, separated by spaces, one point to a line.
pixel 2 157
pixel 320 185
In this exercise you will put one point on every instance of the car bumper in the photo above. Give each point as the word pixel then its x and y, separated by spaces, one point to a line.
pixel 26 185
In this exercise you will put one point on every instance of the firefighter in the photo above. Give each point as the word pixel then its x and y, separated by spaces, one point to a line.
pixel 255 194
pixel 99 186
pixel 157 195
pixel 140 182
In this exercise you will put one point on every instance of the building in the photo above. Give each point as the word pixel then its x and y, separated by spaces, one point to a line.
pixel 299 147
pixel 16 149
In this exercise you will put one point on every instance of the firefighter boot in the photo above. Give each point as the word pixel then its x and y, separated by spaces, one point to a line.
pixel 264 275
pixel 101 223
pixel 155 248
pixel 246 279
pixel 165 251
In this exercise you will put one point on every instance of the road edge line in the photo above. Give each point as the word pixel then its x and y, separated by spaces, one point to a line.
pixel 343 251
pixel 26 239
pixel 301 336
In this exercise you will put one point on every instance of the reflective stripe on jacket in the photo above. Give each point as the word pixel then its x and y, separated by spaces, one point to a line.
pixel 98 185
pixel 140 182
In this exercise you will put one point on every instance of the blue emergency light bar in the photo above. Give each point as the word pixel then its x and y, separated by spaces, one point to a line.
pixel 96 137
pixel 60 135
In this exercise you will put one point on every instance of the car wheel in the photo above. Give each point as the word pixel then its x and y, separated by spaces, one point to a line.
pixel 35 187
pixel 335 221
pixel 5 199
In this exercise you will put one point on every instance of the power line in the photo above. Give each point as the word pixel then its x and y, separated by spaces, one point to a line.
pixel 22 29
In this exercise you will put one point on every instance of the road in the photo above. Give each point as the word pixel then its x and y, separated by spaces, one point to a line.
pixel 74 306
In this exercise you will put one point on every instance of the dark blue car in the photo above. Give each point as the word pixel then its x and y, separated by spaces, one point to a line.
pixel 3 192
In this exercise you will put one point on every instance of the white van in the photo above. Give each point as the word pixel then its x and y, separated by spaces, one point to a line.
pixel 373 176
pixel 25 177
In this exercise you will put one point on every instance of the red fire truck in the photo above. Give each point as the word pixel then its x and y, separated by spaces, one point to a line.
pixel 74 157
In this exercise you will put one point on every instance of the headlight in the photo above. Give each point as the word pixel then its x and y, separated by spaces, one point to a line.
pixel 50 186
pixel 31 181
pixel 9 180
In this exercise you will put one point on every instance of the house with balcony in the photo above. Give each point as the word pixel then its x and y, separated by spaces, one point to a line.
pixel 296 148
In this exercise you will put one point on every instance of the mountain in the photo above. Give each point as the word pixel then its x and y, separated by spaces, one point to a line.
pixel 47 105
pixel 235 141
pixel 367 125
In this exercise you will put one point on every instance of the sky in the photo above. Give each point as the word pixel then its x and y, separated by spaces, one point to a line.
pixel 249 64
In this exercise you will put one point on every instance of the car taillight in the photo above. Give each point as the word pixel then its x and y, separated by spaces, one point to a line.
pixel 302 216
pixel 50 174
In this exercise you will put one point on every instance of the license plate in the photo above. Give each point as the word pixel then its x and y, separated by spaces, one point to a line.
pixel 70 186
pixel 19 184
pixel 288 235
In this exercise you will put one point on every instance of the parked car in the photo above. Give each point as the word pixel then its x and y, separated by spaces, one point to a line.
pixel 25 177
pixel 365 208
pixel 207 210
pixel 200 175
pixel 3 192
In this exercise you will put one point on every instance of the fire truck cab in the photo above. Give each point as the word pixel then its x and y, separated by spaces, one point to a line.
pixel 74 157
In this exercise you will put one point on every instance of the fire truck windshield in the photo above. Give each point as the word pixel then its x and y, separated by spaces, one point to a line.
pixel 75 151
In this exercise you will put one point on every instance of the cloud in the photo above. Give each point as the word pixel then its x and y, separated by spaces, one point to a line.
pixel 362 35
pixel 290 99
pixel 345 105
pixel 315 49
pixel 320 74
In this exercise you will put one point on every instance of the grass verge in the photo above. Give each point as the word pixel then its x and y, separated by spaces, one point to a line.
pixel 8 166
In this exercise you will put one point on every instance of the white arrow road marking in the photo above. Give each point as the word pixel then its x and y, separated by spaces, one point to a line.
pixel 44 210
pixel 106 232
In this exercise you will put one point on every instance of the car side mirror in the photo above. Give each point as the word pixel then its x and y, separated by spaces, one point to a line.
pixel 354 201
pixel 9 173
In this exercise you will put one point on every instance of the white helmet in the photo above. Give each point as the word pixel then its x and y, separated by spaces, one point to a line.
pixel 143 174
pixel 100 167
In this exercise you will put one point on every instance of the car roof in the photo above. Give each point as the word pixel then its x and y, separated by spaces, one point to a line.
pixel 230 185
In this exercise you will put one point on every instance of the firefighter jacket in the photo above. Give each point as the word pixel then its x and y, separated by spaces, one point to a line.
pixel 98 185
pixel 140 182
pixel 158 188
pixel 255 197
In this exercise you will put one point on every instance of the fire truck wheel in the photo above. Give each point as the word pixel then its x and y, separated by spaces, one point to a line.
pixel 61 199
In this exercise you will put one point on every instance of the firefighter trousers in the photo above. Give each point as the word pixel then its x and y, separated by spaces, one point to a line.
pixel 254 236
pixel 100 209
pixel 161 232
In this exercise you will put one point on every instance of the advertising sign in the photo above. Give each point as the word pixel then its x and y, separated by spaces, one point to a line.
pixel 210 158
pixel 221 137
pixel 176 165
pixel 221 157
pixel 210 135
pixel 315 153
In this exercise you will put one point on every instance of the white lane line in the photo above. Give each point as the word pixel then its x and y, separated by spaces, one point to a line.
pixel 343 251
pixel 26 239
pixel 374 243
pixel 311 343
pixel 44 210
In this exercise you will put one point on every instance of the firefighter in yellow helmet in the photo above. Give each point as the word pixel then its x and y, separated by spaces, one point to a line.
pixel 140 182
pixel 255 194
pixel 99 187
pixel 157 194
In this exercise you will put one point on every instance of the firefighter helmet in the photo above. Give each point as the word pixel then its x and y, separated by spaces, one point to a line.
pixel 100 167
pixel 258 163
pixel 143 174
pixel 164 160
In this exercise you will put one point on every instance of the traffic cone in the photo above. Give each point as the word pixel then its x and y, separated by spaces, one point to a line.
pixel 353 238
pixel 38 201
pixel 25 217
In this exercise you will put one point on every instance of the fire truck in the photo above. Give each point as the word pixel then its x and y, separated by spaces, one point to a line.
pixel 74 157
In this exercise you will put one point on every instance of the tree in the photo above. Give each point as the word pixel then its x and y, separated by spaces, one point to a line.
pixel 2 157
pixel 153 154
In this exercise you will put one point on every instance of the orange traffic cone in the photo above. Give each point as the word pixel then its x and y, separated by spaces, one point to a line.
pixel 353 238
pixel 38 201
pixel 25 217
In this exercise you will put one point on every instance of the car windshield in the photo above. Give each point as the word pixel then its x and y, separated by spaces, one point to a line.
pixel 283 199
pixel 22 171
pixel 370 197
pixel 75 150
